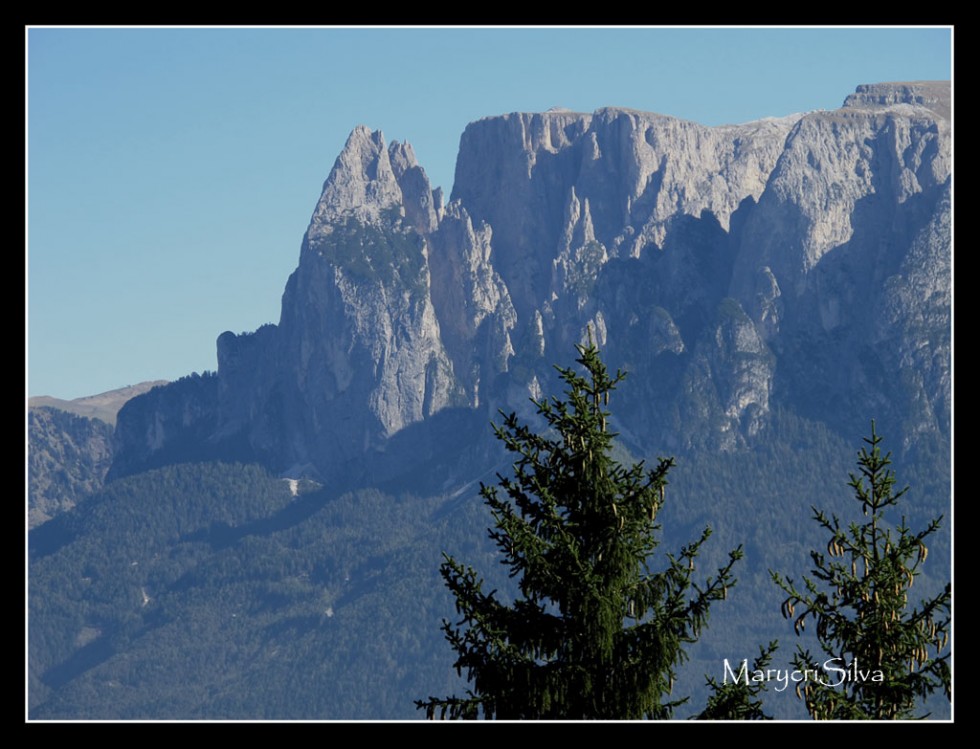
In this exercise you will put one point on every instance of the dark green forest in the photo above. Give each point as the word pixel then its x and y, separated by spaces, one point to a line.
pixel 208 591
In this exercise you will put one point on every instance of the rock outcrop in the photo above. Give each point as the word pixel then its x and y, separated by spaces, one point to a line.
pixel 931 94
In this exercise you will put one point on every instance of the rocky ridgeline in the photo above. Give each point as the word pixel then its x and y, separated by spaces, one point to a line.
pixel 801 262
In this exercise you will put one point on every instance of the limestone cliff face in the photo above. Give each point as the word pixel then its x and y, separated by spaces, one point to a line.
pixel 911 328
pixel 734 368
pixel 472 303
pixel 858 198
pixel 800 262
pixel 549 184
pixel 357 355
pixel 567 193
pixel 843 174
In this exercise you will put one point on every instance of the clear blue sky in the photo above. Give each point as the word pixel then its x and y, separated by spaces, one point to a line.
pixel 172 172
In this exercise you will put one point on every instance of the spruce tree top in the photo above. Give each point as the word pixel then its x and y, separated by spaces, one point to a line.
pixel 896 653
pixel 594 633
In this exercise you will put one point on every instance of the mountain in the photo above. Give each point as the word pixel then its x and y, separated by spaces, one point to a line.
pixel 799 262
pixel 70 448
pixel 770 288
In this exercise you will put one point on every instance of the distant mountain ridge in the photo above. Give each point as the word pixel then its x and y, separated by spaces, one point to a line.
pixel 68 458
pixel 70 447
pixel 103 406
pixel 799 262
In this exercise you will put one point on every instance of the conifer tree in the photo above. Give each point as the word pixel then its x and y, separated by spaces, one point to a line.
pixel 593 633
pixel 881 656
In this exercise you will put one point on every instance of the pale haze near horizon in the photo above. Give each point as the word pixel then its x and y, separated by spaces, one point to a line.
pixel 172 172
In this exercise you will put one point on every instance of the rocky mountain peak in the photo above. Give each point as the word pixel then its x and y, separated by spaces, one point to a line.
pixel 362 183
pixel 375 184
